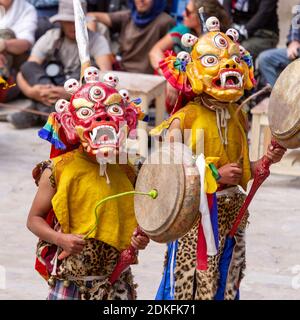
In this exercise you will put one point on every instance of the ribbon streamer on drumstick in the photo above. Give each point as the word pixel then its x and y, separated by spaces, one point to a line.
pixel 204 209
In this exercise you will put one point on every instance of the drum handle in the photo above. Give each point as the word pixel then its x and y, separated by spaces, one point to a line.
pixel 261 173
pixel 127 257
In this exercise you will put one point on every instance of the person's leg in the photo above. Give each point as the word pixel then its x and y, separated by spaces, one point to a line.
pixel 271 63
pixel 33 74
pixel 24 119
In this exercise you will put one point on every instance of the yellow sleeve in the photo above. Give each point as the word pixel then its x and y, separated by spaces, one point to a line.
pixel 166 124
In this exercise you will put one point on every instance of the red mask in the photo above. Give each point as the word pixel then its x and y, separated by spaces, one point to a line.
pixel 98 116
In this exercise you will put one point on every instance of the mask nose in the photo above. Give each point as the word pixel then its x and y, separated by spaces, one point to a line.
pixel 230 64
pixel 103 116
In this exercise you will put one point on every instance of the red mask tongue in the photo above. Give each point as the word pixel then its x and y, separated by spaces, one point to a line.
pixel 230 82
pixel 103 138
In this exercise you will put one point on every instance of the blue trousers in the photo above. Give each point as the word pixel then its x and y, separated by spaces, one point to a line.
pixel 271 63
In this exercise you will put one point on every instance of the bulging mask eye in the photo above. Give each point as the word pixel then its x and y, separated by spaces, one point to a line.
pixel 220 41
pixel 115 110
pixel 84 112
pixel 209 60
pixel 236 59
pixel 97 93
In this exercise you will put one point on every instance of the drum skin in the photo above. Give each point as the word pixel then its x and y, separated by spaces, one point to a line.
pixel 175 210
pixel 284 107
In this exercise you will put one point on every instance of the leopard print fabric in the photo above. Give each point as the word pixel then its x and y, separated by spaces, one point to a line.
pixel 97 259
pixel 193 284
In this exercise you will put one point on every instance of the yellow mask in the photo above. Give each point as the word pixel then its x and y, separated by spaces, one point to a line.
pixel 217 69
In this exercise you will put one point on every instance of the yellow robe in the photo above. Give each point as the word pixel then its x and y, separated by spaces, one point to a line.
pixel 194 116
pixel 79 188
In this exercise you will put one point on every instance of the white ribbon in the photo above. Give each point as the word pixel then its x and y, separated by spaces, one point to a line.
pixel 204 209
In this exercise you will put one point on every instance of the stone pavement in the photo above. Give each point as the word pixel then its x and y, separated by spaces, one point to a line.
pixel 273 239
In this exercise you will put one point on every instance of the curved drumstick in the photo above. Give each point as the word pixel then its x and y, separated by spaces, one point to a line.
pixel 127 256
pixel 261 173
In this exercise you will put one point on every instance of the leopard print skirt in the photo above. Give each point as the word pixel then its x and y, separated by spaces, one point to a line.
pixel 193 284
pixel 90 272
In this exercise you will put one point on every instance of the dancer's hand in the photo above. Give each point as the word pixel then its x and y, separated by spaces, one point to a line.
pixel 71 243
pixel 230 174
pixel 138 241
pixel 275 154
pixel 292 50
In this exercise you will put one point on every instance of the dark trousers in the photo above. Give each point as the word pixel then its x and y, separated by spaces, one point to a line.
pixel 34 74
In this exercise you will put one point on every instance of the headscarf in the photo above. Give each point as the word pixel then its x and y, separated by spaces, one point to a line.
pixel 142 20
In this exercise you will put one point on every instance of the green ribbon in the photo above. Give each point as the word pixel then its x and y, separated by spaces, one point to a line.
pixel 214 171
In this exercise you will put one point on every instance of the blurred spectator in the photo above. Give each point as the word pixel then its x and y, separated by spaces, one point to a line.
pixel 53 60
pixel 18 21
pixel 256 21
pixel 191 24
pixel 272 62
pixel 140 28
pixel 45 9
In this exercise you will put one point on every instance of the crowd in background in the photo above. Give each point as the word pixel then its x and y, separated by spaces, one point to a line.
pixel 38 50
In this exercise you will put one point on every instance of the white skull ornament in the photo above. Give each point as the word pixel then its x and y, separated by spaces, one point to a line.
pixel 188 40
pixel 124 94
pixel 213 24
pixel 184 56
pixel 242 51
pixel 71 86
pixel 91 74
pixel 111 79
pixel 61 105
pixel 233 34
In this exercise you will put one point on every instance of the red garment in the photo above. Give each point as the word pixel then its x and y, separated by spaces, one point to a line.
pixel 201 250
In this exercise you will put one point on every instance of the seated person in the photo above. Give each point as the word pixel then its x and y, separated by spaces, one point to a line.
pixel 18 21
pixel 45 9
pixel 272 62
pixel 57 49
pixel 140 28
pixel 191 24
pixel 257 23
